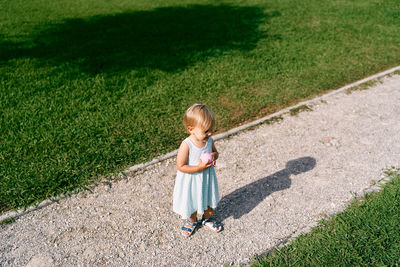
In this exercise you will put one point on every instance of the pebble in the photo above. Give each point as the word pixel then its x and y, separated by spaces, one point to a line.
pixel 40 261
pixel 146 188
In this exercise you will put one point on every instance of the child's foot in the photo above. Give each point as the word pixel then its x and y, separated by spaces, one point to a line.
pixel 212 224
pixel 188 228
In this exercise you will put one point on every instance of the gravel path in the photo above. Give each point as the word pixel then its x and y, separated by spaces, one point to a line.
pixel 276 181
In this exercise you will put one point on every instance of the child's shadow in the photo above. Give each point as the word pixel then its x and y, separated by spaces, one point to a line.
pixel 243 200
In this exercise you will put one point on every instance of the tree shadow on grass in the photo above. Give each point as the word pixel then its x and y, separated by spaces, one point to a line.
pixel 245 199
pixel 168 39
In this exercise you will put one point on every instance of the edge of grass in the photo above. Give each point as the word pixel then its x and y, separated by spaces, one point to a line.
pixel 363 86
pixel 296 111
pixel 127 173
pixel 368 84
pixel 7 221
pixel 285 252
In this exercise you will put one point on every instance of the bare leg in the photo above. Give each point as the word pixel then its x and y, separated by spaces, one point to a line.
pixel 208 213
pixel 192 219
pixel 212 224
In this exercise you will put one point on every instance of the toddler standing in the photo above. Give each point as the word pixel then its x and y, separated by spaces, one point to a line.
pixel 196 185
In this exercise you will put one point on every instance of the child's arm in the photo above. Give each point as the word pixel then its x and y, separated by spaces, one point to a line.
pixel 181 161
pixel 214 153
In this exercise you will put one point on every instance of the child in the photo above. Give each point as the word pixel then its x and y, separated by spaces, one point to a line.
pixel 196 186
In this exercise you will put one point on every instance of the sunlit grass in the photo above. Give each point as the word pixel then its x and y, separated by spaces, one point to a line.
pixel 88 88
pixel 365 234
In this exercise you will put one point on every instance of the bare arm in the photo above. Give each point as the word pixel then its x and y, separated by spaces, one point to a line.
pixel 181 161
pixel 214 153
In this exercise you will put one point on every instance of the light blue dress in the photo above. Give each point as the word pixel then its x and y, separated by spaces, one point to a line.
pixel 195 191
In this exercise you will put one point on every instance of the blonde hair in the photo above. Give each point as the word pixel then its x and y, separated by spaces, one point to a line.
pixel 199 115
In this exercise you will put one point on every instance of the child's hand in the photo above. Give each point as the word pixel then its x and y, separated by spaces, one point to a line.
pixel 203 166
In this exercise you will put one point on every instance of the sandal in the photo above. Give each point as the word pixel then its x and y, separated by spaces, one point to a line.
pixel 188 228
pixel 212 224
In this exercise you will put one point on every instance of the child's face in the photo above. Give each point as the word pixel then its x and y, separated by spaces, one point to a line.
pixel 200 134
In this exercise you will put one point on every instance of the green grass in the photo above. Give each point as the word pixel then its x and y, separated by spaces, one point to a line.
pixel 7 221
pixel 295 111
pixel 363 86
pixel 89 88
pixel 365 234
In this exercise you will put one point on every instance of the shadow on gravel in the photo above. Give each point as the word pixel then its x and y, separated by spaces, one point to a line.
pixel 245 199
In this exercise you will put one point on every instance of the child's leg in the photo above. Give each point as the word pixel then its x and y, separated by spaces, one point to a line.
pixel 208 213
pixel 187 229
pixel 211 223
pixel 193 217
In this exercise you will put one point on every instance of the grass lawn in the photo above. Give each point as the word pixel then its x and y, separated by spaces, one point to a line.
pixel 91 87
pixel 365 234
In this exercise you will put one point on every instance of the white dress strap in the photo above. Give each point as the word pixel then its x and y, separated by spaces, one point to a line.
pixel 189 143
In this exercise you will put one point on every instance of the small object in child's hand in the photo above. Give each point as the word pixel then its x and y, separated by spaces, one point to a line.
pixel 206 158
